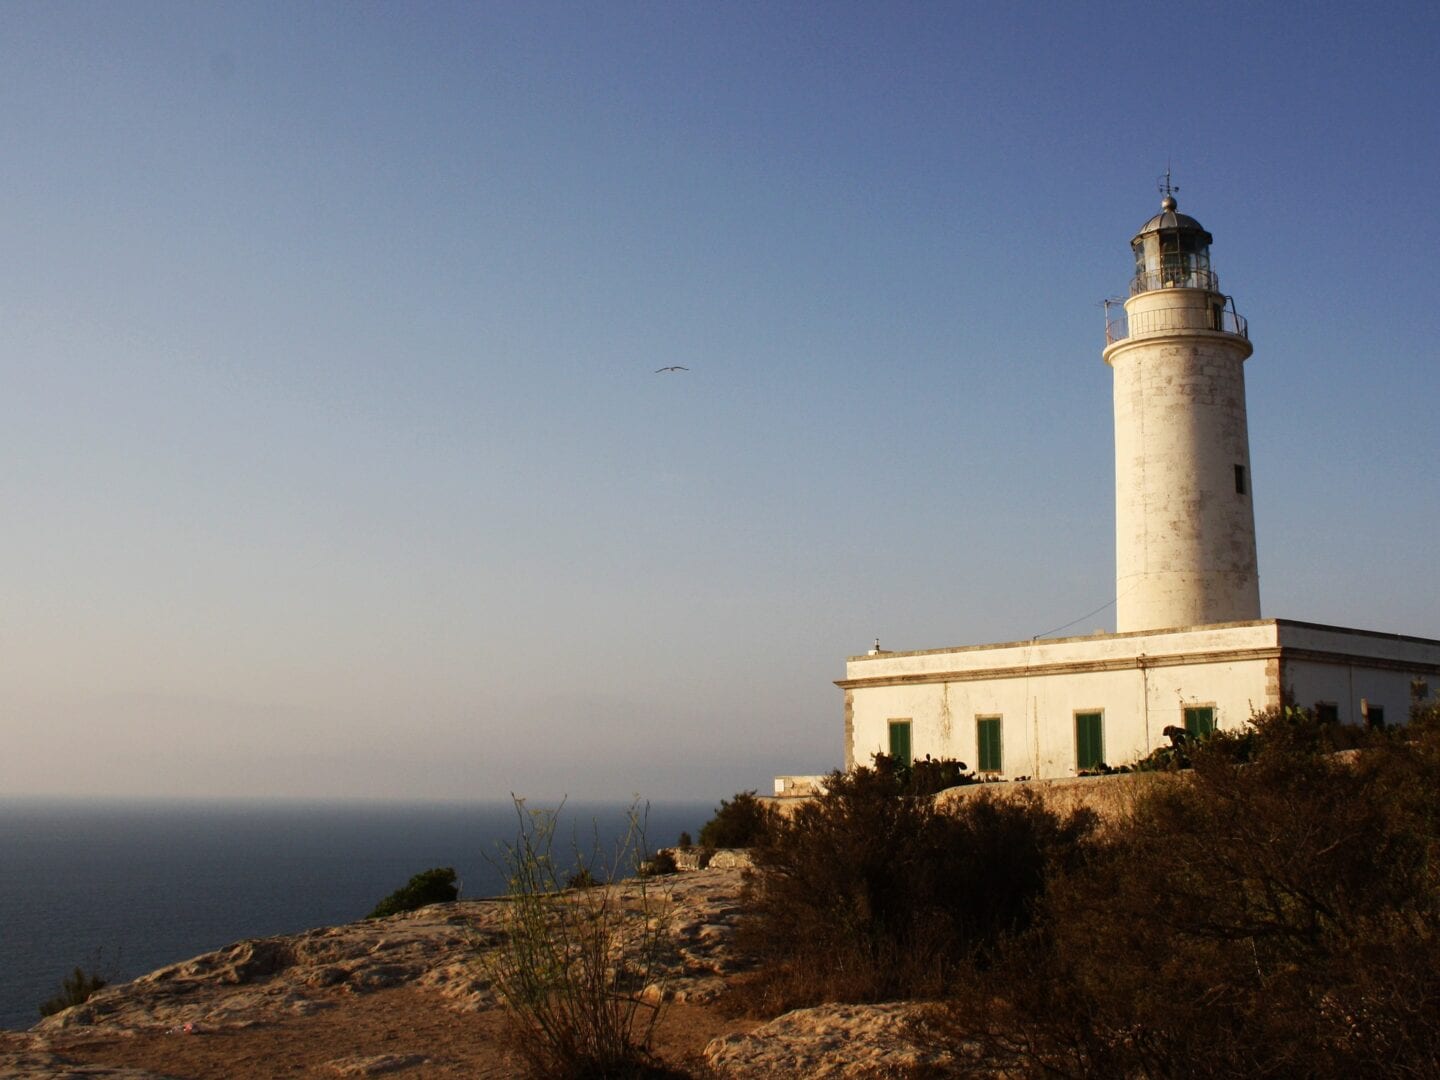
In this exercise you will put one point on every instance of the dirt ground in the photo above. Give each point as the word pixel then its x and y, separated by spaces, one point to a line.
pixel 401 1021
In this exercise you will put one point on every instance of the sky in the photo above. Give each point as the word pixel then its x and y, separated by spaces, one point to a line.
pixel 335 459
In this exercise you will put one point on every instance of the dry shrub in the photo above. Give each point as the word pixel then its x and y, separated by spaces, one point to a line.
pixel 75 989
pixel 574 965
pixel 1275 919
pixel 863 895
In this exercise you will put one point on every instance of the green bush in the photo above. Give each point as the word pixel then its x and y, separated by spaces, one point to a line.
pixel 928 776
pixel 75 989
pixel 435 886
pixel 863 895
pixel 740 822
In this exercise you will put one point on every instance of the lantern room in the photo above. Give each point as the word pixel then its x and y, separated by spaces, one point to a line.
pixel 1172 251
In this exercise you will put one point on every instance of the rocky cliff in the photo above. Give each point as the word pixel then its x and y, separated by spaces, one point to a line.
pixel 409 995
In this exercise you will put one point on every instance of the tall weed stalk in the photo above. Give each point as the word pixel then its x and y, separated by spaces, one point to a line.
pixel 580 971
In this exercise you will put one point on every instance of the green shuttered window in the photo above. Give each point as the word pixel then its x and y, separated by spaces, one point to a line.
pixel 900 741
pixel 987 735
pixel 1089 740
pixel 1199 720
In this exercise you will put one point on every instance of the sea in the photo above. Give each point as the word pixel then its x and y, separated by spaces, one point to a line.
pixel 121 887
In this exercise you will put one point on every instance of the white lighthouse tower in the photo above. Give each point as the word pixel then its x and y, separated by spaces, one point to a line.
pixel 1184 525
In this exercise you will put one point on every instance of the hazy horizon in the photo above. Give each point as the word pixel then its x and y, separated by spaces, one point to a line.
pixel 338 465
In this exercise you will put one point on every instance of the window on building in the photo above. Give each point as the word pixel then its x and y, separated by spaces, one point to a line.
pixel 1242 487
pixel 900 741
pixel 1327 712
pixel 1199 720
pixel 1089 740
pixel 987 736
pixel 1375 716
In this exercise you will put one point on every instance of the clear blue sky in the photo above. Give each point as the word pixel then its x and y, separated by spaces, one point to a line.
pixel 334 458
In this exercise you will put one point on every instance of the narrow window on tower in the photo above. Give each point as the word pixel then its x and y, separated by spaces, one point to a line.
pixel 1240 485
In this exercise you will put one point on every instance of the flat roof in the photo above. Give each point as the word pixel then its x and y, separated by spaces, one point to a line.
pixel 888 653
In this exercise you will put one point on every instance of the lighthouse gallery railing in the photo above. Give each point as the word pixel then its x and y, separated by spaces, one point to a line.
pixel 1120 325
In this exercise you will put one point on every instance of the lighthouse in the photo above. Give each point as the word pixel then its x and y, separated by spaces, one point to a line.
pixel 1184 518
pixel 1190 651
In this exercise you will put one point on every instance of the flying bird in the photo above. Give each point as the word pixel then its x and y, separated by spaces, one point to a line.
pixel 672 367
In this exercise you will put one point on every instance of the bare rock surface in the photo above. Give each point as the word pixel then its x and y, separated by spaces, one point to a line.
pixel 439 948
pixel 854 1042
pixel 22 1059
pixel 377 1064
pixel 410 996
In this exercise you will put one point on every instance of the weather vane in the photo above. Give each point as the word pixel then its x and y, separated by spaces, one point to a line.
pixel 1163 185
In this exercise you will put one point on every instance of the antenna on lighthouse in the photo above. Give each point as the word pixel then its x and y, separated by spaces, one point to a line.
pixel 1165 187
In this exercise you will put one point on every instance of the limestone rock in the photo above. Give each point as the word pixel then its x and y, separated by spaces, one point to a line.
pixel 39 1064
pixel 829 1042
pixel 439 948
pixel 377 1065
pixel 694 858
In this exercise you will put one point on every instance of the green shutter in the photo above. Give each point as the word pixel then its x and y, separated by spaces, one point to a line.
pixel 1199 720
pixel 987 734
pixel 900 741
pixel 1089 743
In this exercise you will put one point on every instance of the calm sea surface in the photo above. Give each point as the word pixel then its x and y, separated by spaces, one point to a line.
pixel 126 887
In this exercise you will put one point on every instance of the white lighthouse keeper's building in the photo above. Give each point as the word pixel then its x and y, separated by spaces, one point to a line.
pixel 1191 648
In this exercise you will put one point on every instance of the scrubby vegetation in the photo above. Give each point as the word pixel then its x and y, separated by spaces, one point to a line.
pixel 435 886
pixel 582 878
pixel 863 894
pixel 739 822
pixel 1276 919
pixel 574 965
pixel 928 776
pixel 75 989
pixel 1273 910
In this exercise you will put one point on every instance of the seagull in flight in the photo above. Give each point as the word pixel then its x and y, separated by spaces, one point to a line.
pixel 672 367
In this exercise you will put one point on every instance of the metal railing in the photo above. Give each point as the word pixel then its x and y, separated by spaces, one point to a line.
pixel 1175 277
pixel 1119 325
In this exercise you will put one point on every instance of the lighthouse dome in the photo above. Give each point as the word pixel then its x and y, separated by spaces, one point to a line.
pixel 1169 220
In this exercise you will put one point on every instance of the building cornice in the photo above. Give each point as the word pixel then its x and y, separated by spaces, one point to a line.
pixel 1282 652
pixel 1282 624
pixel 1071 667
pixel 1384 663
pixel 1046 641
pixel 1378 634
